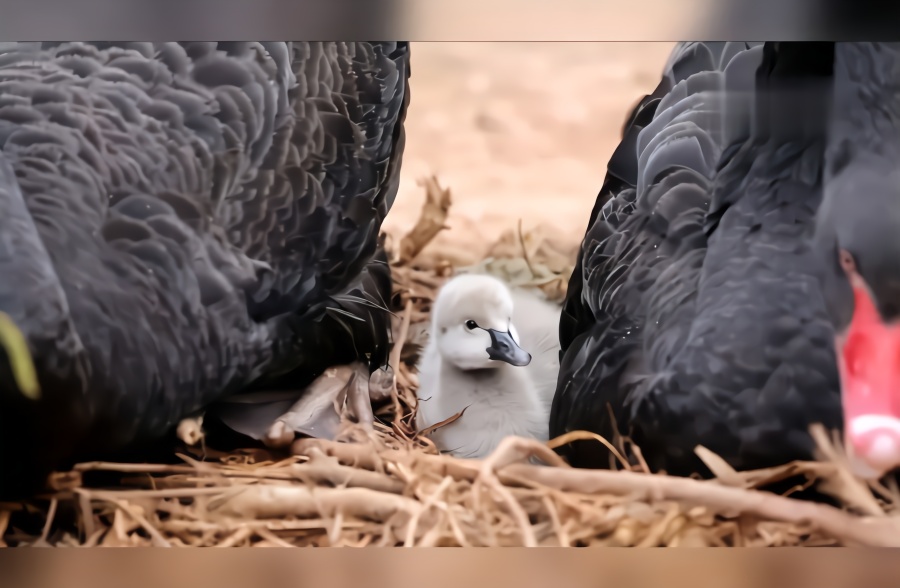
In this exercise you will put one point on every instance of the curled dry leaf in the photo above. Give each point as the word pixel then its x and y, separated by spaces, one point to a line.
pixel 432 221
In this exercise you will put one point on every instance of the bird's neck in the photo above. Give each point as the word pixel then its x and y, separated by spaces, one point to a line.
pixel 481 375
pixel 477 383
pixel 793 92
pixel 865 115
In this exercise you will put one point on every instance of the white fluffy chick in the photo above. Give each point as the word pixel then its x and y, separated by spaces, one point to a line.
pixel 479 358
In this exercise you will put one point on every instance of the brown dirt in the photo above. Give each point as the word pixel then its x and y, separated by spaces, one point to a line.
pixel 517 130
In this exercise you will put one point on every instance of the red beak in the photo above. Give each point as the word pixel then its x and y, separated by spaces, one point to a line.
pixel 869 364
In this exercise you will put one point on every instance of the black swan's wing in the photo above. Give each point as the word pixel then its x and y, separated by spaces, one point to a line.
pixel 174 208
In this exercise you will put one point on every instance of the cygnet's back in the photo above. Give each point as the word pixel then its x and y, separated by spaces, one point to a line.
pixel 494 353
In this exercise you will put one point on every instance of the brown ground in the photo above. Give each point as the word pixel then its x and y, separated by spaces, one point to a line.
pixel 518 130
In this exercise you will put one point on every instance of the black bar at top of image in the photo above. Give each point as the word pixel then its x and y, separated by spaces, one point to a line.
pixel 449 20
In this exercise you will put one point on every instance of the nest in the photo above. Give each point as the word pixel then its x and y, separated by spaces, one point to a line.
pixel 390 487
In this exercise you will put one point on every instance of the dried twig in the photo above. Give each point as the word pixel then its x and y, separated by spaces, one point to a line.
pixel 872 531
pixel 4 524
pixel 390 486
pixel 432 220
pixel 450 419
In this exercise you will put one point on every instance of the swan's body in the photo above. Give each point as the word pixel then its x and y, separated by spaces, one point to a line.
pixel 182 221
pixel 500 396
pixel 746 232
pixel 695 315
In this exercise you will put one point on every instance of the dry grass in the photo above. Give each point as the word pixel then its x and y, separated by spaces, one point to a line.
pixel 389 487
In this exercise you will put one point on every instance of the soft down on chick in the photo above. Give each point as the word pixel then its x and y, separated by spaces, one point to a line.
pixel 492 351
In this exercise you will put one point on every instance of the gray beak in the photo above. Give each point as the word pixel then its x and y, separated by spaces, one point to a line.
pixel 504 348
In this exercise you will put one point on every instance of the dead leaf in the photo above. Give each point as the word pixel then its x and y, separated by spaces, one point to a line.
pixel 432 221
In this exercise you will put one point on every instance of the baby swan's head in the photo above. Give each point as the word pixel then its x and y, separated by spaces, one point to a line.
pixel 472 323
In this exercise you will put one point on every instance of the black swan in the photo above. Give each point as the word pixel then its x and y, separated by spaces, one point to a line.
pixel 698 312
pixel 183 221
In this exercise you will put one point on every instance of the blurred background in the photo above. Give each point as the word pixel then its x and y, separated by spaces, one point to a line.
pixel 515 130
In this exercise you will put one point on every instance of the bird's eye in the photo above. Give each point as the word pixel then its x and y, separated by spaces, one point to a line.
pixel 848 264
pixel 470 324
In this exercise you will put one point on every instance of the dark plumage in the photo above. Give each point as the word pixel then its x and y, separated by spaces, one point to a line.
pixel 863 180
pixel 182 221
pixel 856 236
pixel 696 312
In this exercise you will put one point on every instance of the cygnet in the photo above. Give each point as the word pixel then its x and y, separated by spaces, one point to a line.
pixel 479 358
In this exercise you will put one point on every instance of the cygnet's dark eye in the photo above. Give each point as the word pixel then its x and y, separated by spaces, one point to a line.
pixel 470 324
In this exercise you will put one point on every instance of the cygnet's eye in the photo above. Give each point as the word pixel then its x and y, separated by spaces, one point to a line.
pixel 471 325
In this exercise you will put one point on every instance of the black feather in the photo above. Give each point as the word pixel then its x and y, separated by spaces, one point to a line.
pixel 680 316
pixel 177 219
